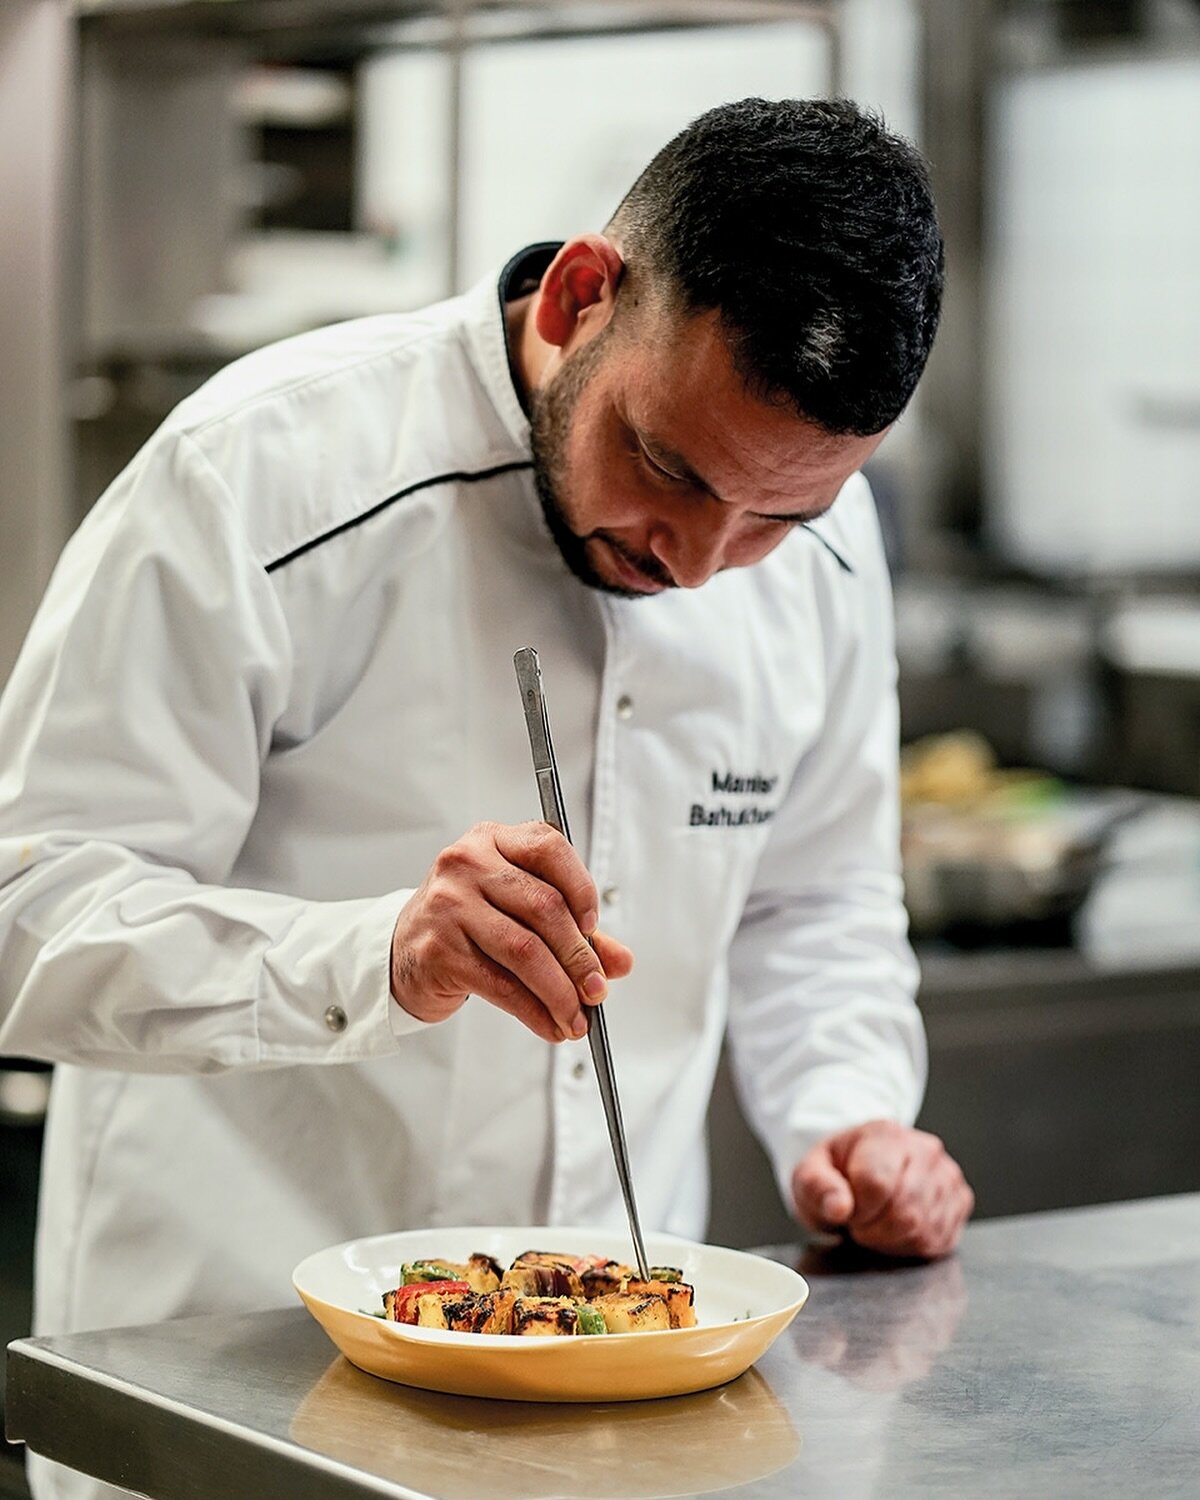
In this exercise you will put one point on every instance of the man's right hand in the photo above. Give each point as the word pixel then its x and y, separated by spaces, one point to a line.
pixel 504 914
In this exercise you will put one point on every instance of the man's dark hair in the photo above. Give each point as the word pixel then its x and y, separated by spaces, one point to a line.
pixel 813 231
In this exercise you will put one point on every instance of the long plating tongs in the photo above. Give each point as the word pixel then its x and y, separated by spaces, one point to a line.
pixel 529 675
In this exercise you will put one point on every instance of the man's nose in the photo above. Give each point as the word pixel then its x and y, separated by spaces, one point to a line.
pixel 691 549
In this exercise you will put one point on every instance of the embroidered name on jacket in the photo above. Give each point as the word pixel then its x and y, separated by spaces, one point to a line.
pixel 723 816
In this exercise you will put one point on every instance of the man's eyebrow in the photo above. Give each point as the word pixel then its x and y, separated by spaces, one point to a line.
pixel 676 464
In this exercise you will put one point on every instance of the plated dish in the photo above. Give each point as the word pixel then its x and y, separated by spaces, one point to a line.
pixel 741 1305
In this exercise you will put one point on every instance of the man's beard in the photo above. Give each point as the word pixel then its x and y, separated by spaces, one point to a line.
pixel 553 409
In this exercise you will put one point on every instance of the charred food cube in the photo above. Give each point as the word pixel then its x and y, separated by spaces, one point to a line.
pixel 543 1280
pixel 627 1312
pixel 483 1273
pixel 545 1317
pixel 608 1276
pixel 466 1312
pixel 678 1295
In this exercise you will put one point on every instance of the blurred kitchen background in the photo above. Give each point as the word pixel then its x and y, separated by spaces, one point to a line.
pixel 183 180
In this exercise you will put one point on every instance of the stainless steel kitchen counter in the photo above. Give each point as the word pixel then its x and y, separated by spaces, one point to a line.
pixel 1058 1355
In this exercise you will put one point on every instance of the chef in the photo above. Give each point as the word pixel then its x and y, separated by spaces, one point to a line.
pixel 273 895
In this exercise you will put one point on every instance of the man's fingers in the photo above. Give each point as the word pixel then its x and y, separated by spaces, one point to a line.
pixel 499 988
pixel 544 852
pixel 824 1199
pixel 959 1206
pixel 927 1210
pixel 505 913
pixel 907 1195
pixel 874 1167
pixel 523 955
pixel 905 1221
pixel 543 910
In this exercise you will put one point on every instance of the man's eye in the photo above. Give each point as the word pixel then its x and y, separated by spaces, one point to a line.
pixel 657 469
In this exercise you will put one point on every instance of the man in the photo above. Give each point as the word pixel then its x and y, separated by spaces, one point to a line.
pixel 271 685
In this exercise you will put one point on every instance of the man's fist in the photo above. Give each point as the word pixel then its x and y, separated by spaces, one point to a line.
pixel 888 1187
pixel 505 914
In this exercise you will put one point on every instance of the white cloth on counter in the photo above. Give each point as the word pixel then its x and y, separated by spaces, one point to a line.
pixel 271 679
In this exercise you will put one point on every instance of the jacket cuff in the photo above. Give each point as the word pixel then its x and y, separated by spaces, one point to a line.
pixel 328 995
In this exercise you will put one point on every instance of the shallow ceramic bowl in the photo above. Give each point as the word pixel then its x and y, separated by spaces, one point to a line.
pixel 743 1303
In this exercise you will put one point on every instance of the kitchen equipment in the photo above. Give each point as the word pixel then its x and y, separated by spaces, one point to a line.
pixel 990 852
pixel 537 721
pixel 743 1303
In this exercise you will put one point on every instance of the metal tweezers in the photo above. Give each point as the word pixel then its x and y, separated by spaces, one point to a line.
pixel 529 675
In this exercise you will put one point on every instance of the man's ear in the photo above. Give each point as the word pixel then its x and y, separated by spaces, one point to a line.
pixel 578 290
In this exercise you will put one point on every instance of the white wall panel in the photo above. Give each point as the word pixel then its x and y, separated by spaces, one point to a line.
pixel 1094 379
pixel 555 132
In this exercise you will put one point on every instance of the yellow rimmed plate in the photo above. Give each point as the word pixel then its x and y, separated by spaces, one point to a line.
pixel 743 1303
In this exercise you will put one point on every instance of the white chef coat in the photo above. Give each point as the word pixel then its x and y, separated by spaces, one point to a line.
pixel 270 680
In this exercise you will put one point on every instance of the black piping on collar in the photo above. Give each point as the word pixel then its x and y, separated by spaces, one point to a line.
pixel 829 547
pixel 455 477
pixel 532 263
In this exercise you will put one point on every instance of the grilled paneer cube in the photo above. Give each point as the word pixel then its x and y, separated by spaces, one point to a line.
pixel 608 1276
pixel 467 1312
pixel 562 1272
pixel 526 1281
pixel 545 1317
pixel 483 1273
pixel 431 1308
pixel 540 1280
pixel 678 1296
pixel 624 1312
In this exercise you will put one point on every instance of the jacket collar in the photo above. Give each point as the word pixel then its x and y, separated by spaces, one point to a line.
pixel 488 333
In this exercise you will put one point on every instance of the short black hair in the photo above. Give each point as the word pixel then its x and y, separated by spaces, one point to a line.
pixel 812 230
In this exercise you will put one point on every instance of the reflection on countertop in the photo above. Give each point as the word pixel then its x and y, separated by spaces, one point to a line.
pixel 905 1315
pixel 683 1445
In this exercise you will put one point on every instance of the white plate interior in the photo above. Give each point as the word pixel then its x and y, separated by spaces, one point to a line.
pixel 731 1286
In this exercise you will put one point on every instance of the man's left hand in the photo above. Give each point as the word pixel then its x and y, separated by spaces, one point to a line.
pixel 888 1187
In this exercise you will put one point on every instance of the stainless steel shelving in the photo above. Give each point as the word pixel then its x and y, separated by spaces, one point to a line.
pixel 286 27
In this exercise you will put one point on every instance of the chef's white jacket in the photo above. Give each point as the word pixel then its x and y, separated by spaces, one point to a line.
pixel 271 679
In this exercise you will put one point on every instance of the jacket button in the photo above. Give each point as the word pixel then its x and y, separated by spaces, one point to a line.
pixel 335 1018
pixel 610 895
pixel 579 1070
pixel 624 707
